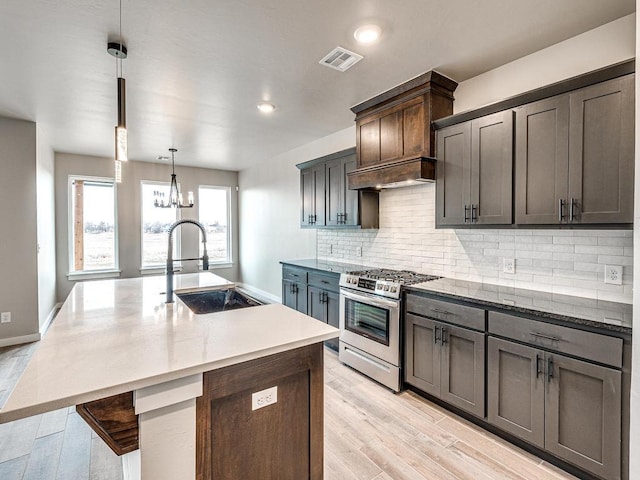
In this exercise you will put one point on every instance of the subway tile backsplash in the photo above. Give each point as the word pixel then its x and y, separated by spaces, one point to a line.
pixel 569 262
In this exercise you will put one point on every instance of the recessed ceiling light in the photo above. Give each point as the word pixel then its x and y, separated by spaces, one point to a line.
pixel 367 33
pixel 266 107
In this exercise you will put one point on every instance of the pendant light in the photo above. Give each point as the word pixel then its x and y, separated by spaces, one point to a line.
pixel 119 51
pixel 175 197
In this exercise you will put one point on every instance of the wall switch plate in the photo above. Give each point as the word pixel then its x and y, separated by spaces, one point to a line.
pixel 5 317
pixel 358 251
pixel 613 274
pixel 509 265
pixel 263 398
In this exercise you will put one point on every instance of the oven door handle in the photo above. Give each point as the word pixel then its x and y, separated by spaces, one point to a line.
pixel 370 299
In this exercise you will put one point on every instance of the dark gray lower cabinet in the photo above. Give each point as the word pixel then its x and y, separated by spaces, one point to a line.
pixel 567 406
pixel 324 306
pixel 314 293
pixel 294 295
pixel 446 361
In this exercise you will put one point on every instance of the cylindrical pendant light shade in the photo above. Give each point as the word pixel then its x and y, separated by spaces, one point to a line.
pixel 121 128
pixel 122 103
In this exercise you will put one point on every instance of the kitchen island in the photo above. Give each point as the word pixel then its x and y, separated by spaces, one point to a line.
pixel 117 336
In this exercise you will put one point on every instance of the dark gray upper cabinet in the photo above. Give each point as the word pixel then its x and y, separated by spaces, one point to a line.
pixel 601 152
pixel 312 188
pixel 542 163
pixel 474 172
pixel 574 157
pixel 325 198
pixel 342 203
pixel 452 174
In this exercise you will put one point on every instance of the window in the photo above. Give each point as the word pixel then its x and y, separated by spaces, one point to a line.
pixel 155 226
pixel 92 225
pixel 214 206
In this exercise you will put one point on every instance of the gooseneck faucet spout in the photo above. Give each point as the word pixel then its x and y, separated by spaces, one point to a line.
pixel 170 260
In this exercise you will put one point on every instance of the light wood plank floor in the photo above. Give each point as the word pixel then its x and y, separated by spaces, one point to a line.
pixel 370 434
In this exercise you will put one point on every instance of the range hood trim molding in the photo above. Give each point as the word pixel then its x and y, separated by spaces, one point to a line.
pixel 412 169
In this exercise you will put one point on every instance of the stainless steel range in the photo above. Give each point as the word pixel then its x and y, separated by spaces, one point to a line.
pixel 370 306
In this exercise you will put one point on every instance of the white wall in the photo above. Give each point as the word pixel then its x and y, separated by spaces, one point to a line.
pixel 270 212
pixel 129 211
pixel 45 200
pixel 19 276
pixel 608 44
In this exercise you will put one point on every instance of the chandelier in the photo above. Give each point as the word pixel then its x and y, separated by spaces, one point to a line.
pixel 175 197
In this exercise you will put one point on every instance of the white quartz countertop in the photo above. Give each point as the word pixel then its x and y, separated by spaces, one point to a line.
pixel 114 336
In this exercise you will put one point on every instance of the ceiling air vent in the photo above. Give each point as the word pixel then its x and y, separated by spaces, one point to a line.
pixel 340 59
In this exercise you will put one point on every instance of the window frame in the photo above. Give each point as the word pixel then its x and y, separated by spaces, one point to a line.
pixel 73 274
pixel 228 262
pixel 159 268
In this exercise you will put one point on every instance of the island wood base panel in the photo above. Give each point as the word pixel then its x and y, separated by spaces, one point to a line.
pixel 283 440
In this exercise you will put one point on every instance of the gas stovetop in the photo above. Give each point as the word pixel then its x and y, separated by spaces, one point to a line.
pixel 382 281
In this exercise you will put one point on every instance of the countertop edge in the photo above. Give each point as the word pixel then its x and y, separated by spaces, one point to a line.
pixel 23 412
pixel 605 328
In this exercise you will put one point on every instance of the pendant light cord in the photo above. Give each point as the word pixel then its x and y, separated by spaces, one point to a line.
pixel 121 42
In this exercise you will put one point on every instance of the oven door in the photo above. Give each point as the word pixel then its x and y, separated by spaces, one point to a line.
pixel 371 324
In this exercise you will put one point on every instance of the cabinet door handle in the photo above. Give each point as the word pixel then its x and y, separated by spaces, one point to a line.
pixel 547 337
pixel 444 336
pixel 324 281
pixel 435 335
pixel 572 206
pixel 344 218
pixel 538 371
pixel 438 310
pixel 474 213
pixel 549 369
pixel 560 210
pixel 466 216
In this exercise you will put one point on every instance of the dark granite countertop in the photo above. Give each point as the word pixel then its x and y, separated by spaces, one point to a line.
pixel 600 314
pixel 325 265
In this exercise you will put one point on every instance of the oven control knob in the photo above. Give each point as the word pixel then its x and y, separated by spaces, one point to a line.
pixel 394 289
pixel 378 286
pixel 386 288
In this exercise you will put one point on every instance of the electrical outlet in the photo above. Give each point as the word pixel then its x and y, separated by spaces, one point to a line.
pixel 358 251
pixel 613 274
pixel 5 317
pixel 509 265
pixel 263 398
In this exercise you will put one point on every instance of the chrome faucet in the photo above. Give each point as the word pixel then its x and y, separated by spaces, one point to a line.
pixel 170 260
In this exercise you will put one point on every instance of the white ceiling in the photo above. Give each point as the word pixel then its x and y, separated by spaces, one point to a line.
pixel 197 68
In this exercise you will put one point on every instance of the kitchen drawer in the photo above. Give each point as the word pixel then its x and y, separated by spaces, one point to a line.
pixel 324 281
pixel 294 274
pixel 462 315
pixel 587 345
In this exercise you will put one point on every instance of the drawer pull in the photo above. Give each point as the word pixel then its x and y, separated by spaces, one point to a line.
pixel 324 281
pixel 547 337
pixel 444 336
pixel 438 310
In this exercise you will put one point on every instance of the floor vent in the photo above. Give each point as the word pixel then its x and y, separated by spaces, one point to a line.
pixel 340 59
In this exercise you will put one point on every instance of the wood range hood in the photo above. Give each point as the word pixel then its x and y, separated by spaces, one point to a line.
pixel 395 142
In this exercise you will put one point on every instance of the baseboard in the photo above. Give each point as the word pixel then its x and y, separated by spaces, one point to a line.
pixel 259 294
pixel 45 326
pixel 7 342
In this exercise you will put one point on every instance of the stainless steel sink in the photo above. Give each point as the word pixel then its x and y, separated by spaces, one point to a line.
pixel 217 301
